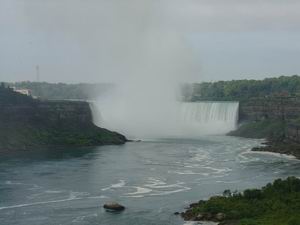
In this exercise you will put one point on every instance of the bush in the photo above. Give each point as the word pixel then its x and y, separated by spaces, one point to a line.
pixel 277 203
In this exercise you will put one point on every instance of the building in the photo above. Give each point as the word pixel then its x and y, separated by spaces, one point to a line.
pixel 22 91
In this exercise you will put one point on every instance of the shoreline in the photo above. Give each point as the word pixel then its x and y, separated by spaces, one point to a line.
pixel 286 148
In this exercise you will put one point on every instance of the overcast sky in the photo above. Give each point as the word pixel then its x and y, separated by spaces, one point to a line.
pixel 86 40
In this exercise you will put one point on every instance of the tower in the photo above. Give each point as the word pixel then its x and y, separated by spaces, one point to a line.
pixel 37 73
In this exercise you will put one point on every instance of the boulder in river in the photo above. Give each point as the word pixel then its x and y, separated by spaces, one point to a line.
pixel 220 216
pixel 113 206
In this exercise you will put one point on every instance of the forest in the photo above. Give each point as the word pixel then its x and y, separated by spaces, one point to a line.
pixel 283 86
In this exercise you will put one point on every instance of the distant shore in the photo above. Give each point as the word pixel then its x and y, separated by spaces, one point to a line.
pixel 286 148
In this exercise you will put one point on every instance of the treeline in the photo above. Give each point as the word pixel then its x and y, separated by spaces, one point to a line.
pixel 245 89
pixel 62 91
pixel 221 90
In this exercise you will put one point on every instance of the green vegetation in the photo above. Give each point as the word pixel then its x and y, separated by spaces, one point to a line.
pixel 62 91
pixel 27 135
pixel 237 90
pixel 245 89
pixel 26 123
pixel 273 130
pixel 275 204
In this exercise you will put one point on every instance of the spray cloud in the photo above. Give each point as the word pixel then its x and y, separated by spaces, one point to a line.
pixel 151 60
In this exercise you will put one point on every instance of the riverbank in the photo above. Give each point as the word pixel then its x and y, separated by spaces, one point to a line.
pixel 276 203
pixel 278 135
pixel 284 147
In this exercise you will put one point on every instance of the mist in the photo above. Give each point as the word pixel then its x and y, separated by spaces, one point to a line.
pixel 151 60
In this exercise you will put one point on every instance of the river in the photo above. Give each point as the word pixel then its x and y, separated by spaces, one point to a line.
pixel 152 178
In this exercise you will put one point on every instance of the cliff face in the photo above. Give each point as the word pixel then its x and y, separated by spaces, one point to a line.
pixel 51 123
pixel 269 108
pixel 275 118
pixel 47 112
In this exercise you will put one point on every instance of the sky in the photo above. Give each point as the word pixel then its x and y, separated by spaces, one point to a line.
pixel 100 40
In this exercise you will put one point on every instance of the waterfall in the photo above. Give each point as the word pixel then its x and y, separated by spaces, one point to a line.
pixel 210 111
pixel 182 119
pixel 209 117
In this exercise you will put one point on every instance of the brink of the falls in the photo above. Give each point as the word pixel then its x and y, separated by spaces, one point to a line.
pixel 183 120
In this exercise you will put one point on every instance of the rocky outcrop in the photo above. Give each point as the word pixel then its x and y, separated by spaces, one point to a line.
pixel 113 206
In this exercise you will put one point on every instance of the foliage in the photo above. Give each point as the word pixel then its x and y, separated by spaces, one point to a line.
pixel 245 89
pixel 30 134
pixel 275 204
pixel 271 129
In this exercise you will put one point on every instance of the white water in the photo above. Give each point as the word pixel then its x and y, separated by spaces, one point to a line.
pixel 209 117
pixel 188 119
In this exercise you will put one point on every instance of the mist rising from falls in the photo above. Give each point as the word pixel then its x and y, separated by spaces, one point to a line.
pixel 184 119
pixel 148 57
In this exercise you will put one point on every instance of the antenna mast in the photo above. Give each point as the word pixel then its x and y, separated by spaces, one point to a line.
pixel 37 73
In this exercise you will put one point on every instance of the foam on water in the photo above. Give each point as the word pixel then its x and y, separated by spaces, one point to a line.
pixel 53 192
pixel 156 187
pixel 117 185
pixel 140 191
pixel 73 197
pixel 285 156
pixel 38 203
pixel 184 172
pixel 249 156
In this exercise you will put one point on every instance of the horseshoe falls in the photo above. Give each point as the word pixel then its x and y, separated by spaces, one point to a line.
pixel 183 119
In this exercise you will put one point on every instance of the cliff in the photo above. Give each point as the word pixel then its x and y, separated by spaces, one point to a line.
pixel 255 109
pixel 28 123
pixel 276 119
